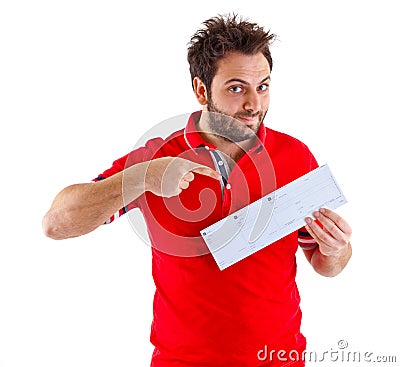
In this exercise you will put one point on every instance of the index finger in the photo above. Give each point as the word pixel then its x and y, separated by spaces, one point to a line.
pixel 207 171
pixel 336 218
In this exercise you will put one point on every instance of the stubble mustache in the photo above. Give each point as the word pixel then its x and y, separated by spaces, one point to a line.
pixel 250 115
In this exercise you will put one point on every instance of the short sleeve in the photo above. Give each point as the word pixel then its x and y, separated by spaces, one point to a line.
pixel 313 162
pixel 137 156
pixel 305 240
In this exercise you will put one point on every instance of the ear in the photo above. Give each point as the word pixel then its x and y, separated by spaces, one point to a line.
pixel 200 91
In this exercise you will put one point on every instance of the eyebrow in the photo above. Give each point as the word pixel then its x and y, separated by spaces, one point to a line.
pixel 244 82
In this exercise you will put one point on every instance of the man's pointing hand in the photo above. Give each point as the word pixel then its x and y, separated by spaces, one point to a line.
pixel 168 176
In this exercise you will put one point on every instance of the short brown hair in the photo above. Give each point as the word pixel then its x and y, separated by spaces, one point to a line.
pixel 221 35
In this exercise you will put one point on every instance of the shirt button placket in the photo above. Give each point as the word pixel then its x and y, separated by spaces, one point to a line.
pixel 226 204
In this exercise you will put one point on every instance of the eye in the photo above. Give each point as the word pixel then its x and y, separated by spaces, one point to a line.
pixel 263 87
pixel 235 89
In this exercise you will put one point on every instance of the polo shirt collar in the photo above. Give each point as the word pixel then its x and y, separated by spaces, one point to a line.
pixel 194 139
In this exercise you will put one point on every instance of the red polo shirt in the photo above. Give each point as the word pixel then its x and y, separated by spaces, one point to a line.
pixel 204 316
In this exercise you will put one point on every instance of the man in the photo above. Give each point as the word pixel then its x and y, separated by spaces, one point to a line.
pixel 224 159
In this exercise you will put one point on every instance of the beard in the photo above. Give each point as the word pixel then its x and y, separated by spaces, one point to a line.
pixel 228 127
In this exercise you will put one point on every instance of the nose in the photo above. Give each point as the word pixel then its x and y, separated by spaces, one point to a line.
pixel 252 101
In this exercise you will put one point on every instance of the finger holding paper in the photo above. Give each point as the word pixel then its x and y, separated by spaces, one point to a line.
pixel 334 236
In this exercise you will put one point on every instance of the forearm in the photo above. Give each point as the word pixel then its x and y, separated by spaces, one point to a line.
pixel 81 208
pixel 331 266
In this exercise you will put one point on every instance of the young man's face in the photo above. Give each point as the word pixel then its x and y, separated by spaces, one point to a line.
pixel 240 89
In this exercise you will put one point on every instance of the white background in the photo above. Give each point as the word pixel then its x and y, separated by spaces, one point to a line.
pixel 81 81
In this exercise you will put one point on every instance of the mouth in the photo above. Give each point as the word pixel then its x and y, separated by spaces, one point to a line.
pixel 249 121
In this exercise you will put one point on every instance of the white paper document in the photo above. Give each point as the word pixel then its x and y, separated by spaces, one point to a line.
pixel 272 217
